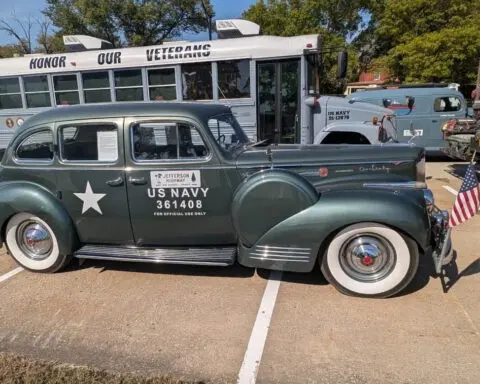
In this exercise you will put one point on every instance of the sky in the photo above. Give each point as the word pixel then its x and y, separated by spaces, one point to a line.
pixel 224 9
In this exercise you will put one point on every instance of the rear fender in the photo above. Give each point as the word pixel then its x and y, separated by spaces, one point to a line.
pixel 307 233
pixel 17 197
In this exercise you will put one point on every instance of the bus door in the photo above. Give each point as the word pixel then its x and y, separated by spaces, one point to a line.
pixel 278 96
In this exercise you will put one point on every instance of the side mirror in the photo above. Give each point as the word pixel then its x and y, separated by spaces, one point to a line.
pixel 410 102
pixel 342 65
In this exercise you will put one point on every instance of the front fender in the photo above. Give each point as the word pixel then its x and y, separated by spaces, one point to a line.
pixel 17 197
pixel 308 232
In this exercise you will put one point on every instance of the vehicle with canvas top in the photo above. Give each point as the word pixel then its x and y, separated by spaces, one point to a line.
pixel 182 183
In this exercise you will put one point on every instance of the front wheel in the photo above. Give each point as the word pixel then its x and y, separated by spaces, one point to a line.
pixel 33 244
pixel 370 260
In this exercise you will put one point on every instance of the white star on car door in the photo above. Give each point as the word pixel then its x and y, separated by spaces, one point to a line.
pixel 90 199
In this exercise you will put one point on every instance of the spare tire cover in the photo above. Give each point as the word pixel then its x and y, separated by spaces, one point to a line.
pixel 265 199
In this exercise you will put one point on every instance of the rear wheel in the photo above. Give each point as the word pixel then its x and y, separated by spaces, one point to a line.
pixel 370 260
pixel 33 244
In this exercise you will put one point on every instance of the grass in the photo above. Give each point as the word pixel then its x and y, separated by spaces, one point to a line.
pixel 16 369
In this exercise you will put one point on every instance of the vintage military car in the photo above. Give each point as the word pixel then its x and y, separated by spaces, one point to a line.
pixel 181 183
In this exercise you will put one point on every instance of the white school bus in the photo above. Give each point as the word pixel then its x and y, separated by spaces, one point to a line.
pixel 270 83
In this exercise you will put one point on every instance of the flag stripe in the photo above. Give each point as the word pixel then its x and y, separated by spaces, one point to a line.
pixel 467 202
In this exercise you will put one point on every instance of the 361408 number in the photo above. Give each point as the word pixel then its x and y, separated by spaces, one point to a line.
pixel 183 204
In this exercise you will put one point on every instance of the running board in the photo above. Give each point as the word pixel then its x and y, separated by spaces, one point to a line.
pixel 192 256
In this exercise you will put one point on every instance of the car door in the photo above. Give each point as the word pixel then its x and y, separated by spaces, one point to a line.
pixel 178 192
pixel 91 180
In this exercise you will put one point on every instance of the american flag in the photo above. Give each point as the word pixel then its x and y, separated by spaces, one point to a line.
pixel 467 202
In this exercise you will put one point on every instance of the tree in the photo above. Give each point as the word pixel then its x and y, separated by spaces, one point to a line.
pixel 426 40
pixel 296 17
pixel 132 22
pixel 334 20
pixel 20 31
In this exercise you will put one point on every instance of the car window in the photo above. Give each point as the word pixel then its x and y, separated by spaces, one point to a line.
pixel 89 142
pixel 227 132
pixel 37 146
pixel 447 104
pixel 167 141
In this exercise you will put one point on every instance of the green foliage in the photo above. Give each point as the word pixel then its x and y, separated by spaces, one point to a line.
pixel 296 17
pixel 335 20
pixel 9 50
pixel 426 40
pixel 135 22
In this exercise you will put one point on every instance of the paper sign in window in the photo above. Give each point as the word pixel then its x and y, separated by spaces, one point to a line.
pixel 107 145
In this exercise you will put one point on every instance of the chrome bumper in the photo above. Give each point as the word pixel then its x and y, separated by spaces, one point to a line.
pixel 441 242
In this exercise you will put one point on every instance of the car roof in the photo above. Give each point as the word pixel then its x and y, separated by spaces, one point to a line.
pixel 404 92
pixel 114 110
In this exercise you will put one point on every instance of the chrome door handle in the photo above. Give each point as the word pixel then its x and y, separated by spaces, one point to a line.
pixel 115 182
pixel 137 180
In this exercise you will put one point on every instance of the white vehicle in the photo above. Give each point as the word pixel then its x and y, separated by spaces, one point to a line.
pixel 270 83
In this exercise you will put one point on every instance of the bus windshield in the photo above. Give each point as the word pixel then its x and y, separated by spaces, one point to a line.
pixel 227 132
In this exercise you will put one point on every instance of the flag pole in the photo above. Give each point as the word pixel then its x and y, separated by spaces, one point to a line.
pixel 439 260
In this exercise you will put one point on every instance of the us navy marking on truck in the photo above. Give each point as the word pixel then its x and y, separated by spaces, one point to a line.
pixel 177 193
pixel 339 115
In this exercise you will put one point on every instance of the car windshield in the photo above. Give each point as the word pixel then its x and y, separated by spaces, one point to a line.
pixel 390 126
pixel 227 132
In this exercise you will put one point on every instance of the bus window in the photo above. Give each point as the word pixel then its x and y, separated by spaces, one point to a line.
pixel 161 84
pixel 96 87
pixel 37 91
pixel 66 89
pixel 128 85
pixel 10 96
pixel 197 81
pixel 234 79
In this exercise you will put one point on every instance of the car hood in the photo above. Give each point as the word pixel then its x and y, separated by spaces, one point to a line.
pixel 395 162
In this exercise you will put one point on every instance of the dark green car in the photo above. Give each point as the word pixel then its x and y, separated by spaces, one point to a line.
pixel 181 183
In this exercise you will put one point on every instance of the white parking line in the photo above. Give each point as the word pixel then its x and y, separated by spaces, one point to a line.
pixel 451 190
pixel 253 355
pixel 13 272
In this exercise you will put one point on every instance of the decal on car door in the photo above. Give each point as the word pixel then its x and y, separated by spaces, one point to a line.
pixel 177 193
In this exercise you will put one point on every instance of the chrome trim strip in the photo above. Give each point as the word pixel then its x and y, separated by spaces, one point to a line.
pixel 275 259
pixel 326 163
pixel 286 248
pixel 154 261
pixel 268 256
pixel 402 185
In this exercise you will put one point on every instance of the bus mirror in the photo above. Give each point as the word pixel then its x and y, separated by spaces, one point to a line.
pixel 342 65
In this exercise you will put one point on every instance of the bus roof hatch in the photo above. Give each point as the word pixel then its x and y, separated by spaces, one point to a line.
pixel 227 29
pixel 78 43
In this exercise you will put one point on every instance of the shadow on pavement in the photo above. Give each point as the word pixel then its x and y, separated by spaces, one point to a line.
pixel 167 269
pixel 458 170
pixel 450 275
pixel 315 277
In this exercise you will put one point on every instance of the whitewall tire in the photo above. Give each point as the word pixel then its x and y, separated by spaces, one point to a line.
pixel 33 244
pixel 370 260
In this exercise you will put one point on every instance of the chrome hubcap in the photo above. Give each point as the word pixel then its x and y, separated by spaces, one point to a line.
pixel 367 258
pixel 34 240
